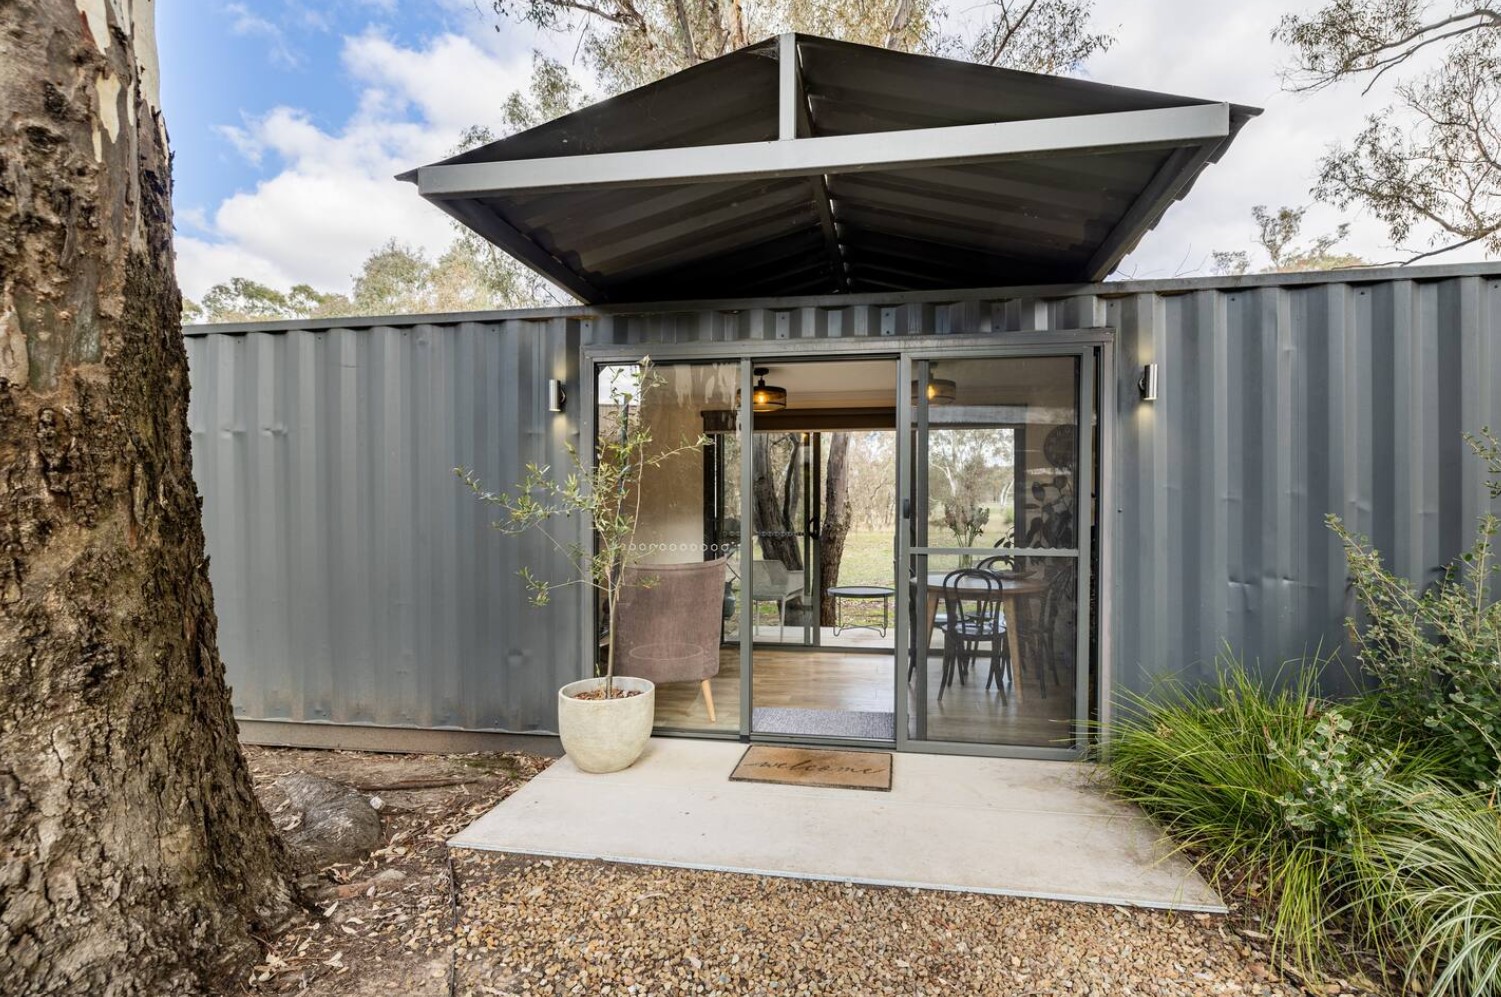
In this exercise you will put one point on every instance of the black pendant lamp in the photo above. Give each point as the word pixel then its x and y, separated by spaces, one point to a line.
pixel 941 391
pixel 765 397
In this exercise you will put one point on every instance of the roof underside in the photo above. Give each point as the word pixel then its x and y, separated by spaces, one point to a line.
pixel 764 207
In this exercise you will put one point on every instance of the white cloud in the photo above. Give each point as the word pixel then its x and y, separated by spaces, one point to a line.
pixel 243 22
pixel 201 265
pixel 451 82
pixel 333 197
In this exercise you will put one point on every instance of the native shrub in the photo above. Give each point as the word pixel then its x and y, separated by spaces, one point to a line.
pixel 1266 784
pixel 1436 654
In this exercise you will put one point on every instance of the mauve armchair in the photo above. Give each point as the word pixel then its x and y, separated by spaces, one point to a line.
pixel 669 619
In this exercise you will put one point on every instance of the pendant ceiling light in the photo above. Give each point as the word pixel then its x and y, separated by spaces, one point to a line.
pixel 765 397
pixel 941 391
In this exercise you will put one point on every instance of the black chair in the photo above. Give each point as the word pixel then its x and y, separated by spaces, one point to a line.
pixel 940 620
pixel 1040 632
pixel 973 616
pixel 997 563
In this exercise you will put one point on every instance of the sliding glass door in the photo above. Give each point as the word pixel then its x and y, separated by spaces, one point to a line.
pixel 998 499
pixel 843 521
pixel 678 623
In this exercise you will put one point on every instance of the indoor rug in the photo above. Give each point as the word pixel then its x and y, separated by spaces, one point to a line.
pixel 861 724
pixel 824 767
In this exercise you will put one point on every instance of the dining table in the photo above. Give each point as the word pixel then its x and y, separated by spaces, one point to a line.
pixel 1012 591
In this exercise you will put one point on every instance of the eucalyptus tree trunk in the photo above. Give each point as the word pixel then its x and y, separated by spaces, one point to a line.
pixel 772 506
pixel 134 857
pixel 836 523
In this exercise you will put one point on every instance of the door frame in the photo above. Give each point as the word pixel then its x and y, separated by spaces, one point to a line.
pixel 1092 358
pixel 1096 342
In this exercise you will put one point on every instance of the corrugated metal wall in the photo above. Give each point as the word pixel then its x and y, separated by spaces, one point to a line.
pixel 356 582
pixel 355 576
pixel 1279 405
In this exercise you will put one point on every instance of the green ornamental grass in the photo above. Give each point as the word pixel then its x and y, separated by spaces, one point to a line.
pixel 1431 873
pixel 1267 786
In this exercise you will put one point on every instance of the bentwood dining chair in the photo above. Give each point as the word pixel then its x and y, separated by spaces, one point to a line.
pixel 973 617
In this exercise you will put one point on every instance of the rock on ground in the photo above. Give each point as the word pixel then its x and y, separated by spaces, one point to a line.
pixel 337 823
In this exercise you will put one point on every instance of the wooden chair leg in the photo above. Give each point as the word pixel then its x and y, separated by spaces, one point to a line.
pixel 708 699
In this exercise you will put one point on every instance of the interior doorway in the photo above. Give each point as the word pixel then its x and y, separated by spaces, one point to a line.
pixel 822 512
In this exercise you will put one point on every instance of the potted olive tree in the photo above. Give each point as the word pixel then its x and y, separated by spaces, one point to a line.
pixel 605 721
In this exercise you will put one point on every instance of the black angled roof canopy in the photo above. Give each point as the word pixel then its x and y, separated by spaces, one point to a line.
pixel 803 165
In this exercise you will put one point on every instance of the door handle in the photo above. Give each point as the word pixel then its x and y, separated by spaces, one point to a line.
pixel 906 508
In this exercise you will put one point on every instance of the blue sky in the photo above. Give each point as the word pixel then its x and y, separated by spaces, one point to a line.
pixel 288 119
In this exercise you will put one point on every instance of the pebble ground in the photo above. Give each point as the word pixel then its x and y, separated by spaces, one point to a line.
pixel 532 926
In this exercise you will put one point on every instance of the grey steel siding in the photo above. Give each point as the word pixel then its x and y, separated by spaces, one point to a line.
pixel 1277 406
pixel 356 579
pixel 357 582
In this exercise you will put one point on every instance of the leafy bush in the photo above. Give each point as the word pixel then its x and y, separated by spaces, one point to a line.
pixel 1337 786
pixel 1266 785
pixel 1376 815
pixel 1436 654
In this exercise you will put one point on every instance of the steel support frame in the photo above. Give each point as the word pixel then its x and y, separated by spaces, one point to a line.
pixel 993 142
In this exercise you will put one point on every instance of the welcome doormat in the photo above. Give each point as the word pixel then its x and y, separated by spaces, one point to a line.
pixel 815 767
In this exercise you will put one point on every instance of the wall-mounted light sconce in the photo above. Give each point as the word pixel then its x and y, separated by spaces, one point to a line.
pixel 557 395
pixel 1148 383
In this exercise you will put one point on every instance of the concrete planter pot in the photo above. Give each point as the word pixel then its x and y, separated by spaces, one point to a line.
pixel 606 735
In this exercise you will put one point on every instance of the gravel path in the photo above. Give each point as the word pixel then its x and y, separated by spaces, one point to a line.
pixel 531 926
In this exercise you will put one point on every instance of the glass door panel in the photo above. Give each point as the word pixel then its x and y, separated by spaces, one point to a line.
pixel 784 518
pixel 820 499
pixel 999 502
pixel 682 636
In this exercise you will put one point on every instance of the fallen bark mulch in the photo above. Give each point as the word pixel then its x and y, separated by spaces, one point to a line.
pixel 384 925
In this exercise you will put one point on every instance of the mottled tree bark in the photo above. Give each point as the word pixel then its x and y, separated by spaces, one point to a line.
pixel 836 522
pixel 770 490
pixel 134 858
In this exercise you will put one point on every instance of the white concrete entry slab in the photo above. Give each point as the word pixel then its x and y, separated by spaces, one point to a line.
pixel 982 825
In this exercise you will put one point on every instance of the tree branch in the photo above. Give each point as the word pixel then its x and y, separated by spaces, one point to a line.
pixel 685 33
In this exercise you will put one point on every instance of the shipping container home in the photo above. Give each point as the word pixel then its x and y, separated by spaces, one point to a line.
pixel 870 286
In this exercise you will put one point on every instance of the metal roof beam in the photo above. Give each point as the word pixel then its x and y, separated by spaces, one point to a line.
pixel 1082 134
pixel 789 87
pixel 497 230
pixel 795 96
pixel 1169 182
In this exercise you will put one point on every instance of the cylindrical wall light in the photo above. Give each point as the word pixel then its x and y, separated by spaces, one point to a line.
pixel 557 395
pixel 1148 383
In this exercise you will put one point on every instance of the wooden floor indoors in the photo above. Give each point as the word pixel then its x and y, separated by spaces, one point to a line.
pixel 822 679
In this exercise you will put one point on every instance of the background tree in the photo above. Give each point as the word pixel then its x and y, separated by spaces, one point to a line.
pixel 776 493
pixel 872 474
pixel 135 857
pixel 835 528
pixel 627 43
pixel 395 279
pixel 1432 176
pixel 240 299
pixel 1277 236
